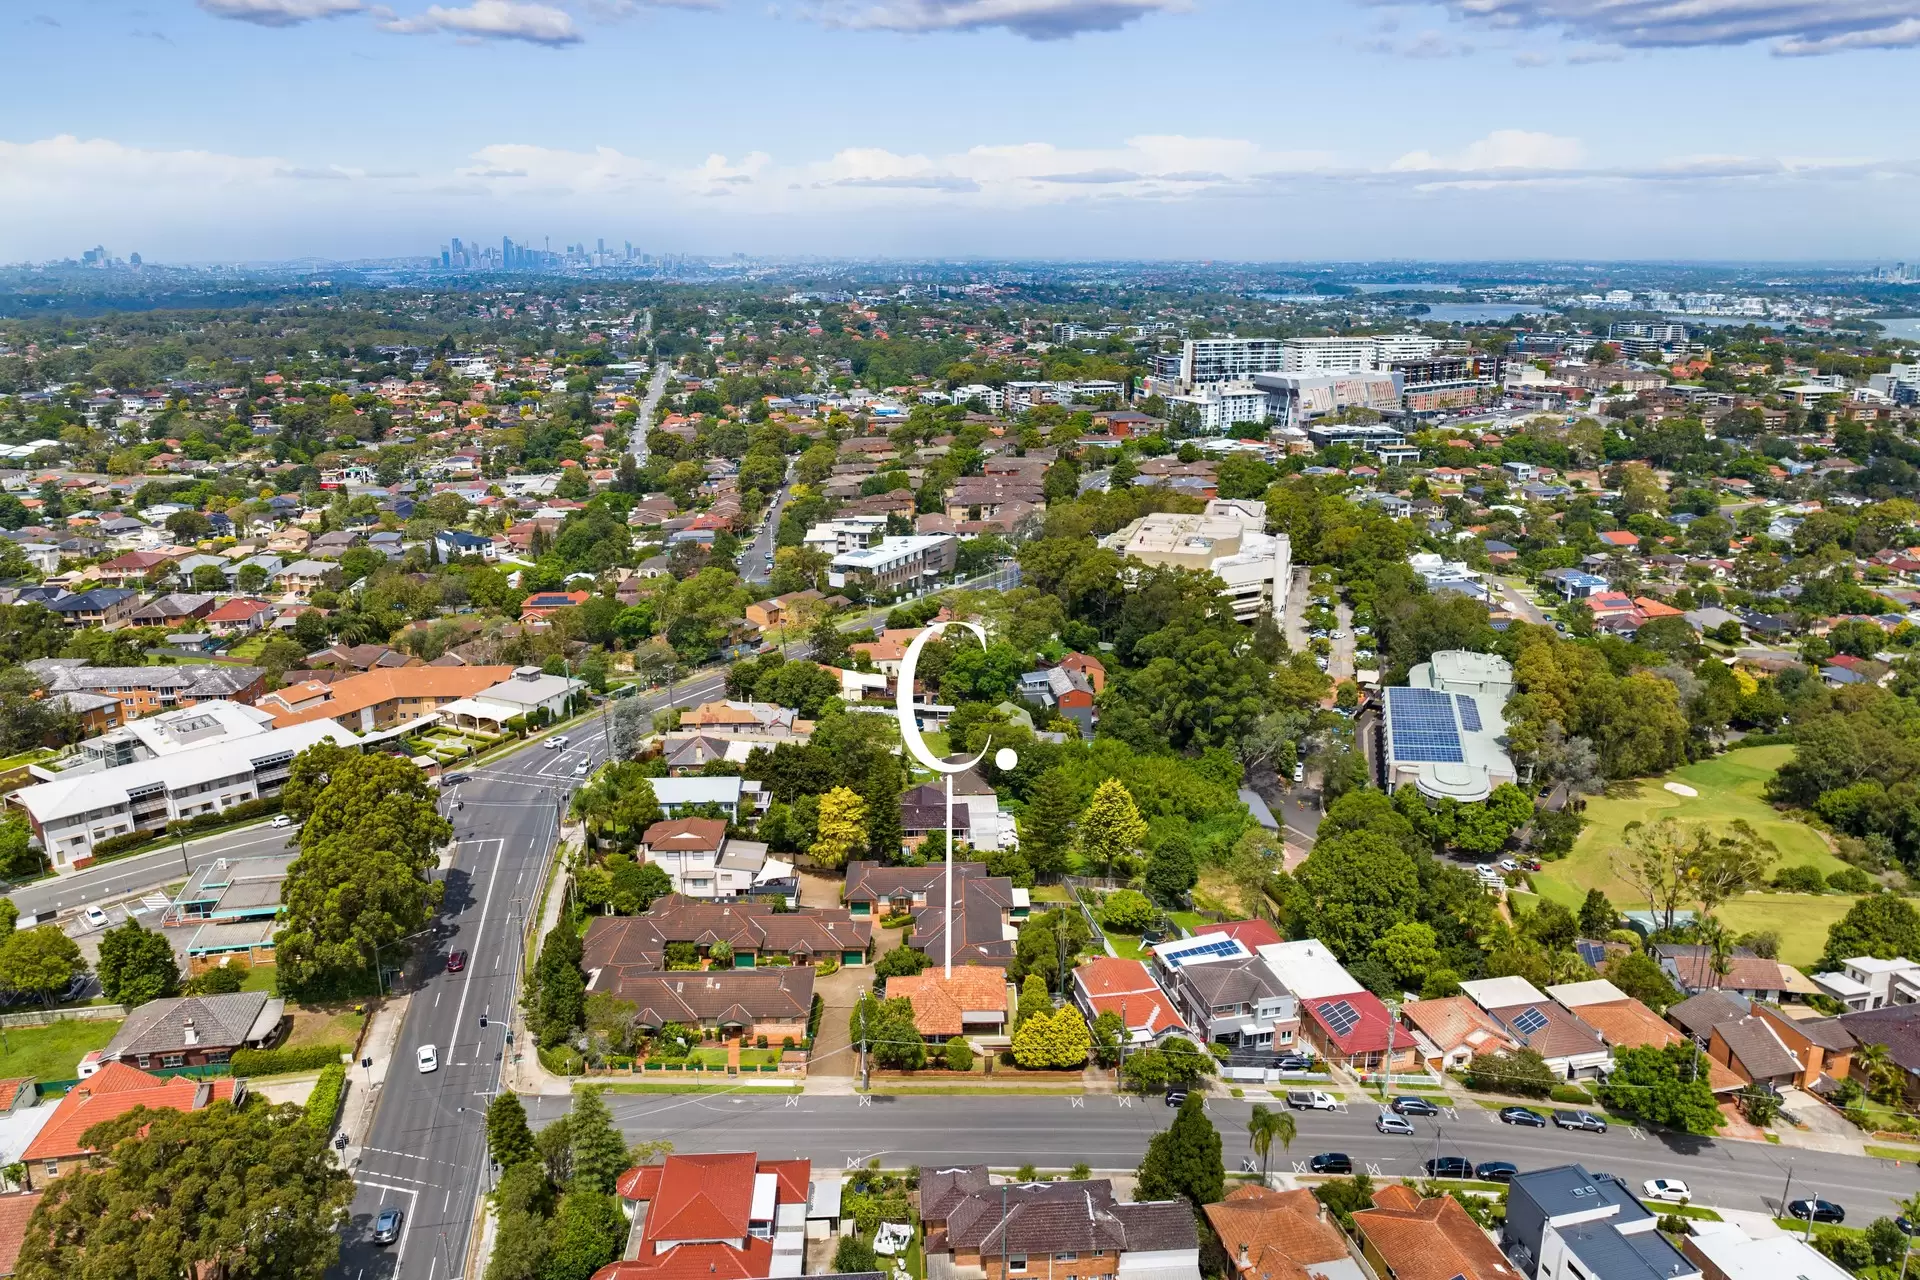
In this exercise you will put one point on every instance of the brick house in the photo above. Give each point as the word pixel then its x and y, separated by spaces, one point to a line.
pixel 196 1031
pixel 113 1091
pixel 975 1001
pixel 1051 1230
pixel 728 1216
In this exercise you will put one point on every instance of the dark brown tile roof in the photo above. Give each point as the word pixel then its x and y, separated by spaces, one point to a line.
pixel 1757 1048
pixel 738 996
pixel 640 942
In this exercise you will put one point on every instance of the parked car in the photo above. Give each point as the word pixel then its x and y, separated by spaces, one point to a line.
pixel 1817 1210
pixel 1409 1106
pixel 1311 1100
pixel 96 918
pixel 1299 772
pixel 1387 1122
pixel 1449 1167
pixel 1333 1162
pixel 386 1227
pixel 1669 1189
pixel 1523 1116
pixel 1293 1062
pixel 1176 1095
pixel 1586 1120
pixel 456 961
pixel 428 1059
pixel 1495 1171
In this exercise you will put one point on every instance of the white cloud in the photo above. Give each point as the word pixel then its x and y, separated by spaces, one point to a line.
pixel 1035 19
pixel 280 13
pixel 494 20
pixel 1798 27
pixel 1501 149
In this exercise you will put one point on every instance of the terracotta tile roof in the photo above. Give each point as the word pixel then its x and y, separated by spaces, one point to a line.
pixel 702 1197
pixel 1628 1024
pixel 14 1212
pixel 940 1003
pixel 702 835
pixel 384 684
pixel 1273 1235
pixel 642 1182
pixel 638 943
pixel 1112 976
pixel 1457 1021
pixel 239 609
pixel 113 1091
pixel 1431 1240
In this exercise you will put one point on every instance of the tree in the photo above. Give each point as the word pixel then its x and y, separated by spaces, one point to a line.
pixel 521 1247
pixel 1264 1126
pixel 1667 1086
pixel 382 801
pixel 559 988
pixel 1172 868
pixel 243 1194
pixel 1047 823
pixel 1882 926
pixel 899 1044
pixel 1409 950
pixel 1034 1000
pixel 854 1255
pixel 586 1235
pixel 1597 915
pixel 19 860
pixel 1522 1072
pixel 509 1140
pixel 1111 825
pixel 901 961
pixel 1127 911
pixel 842 829
pixel 1108 1031
pixel 637 884
pixel 1640 976
pixel 136 965
pixel 1352 889
pixel 1183 1160
pixel 957 1054
pixel 41 961
pixel 599 1152
pixel 1177 1062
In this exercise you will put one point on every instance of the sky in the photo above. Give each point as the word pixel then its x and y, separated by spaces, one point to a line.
pixel 1269 130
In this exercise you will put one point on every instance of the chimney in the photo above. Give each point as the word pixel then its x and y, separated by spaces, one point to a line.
pixel 1243 1253
pixel 192 1036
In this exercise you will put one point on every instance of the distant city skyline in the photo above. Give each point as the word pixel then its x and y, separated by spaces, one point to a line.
pixel 1167 129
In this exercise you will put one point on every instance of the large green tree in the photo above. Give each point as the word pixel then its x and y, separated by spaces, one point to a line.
pixel 1046 824
pixel 558 995
pixel 1352 889
pixel 1111 825
pixel 1882 926
pixel 220 1193
pixel 41 961
pixel 1183 1160
pixel 1666 1086
pixel 136 965
pixel 509 1140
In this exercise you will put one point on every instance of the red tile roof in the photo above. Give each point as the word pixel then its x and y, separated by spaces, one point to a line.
pixel 705 1197
pixel 1367 1035
pixel 1251 934
pixel 14 1212
pixel 113 1091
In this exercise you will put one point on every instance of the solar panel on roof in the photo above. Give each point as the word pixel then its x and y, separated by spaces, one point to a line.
pixel 1529 1022
pixel 1211 947
pixel 1340 1017
pixel 1469 712
pixel 1421 727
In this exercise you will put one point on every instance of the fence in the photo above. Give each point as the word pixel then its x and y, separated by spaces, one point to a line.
pixel 79 1013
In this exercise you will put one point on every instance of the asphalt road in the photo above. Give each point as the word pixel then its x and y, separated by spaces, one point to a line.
pixel 143 871
pixel 1110 1133
pixel 759 552
pixel 644 422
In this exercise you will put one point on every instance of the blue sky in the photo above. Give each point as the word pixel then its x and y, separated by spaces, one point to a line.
pixel 1250 129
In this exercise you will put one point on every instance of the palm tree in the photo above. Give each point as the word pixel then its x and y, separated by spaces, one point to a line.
pixel 1882 1077
pixel 1263 1126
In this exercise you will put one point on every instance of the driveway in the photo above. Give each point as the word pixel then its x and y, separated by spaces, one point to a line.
pixel 839 991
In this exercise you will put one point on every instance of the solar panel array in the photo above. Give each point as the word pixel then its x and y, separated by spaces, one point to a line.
pixel 1421 727
pixel 1529 1022
pixel 1339 1016
pixel 1469 712
pixel 1222 946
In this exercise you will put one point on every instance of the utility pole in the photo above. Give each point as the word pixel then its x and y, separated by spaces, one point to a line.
pixel 1393 1017
pixel 865 1081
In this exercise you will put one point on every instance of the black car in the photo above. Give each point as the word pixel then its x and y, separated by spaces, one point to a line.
pixel 1523 1116
pixel 448 779
pixel 1176 1095
pixel 1414 1107
pixel 1331 1162
pixel 1906 1225
pixel 1584 1120
pixel 386 1227
pixel 1449 1167
pixel 1293 1062
pixel 1818 1210
pixel 1495 1171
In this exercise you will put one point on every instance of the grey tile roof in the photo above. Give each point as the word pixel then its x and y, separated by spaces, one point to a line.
pixel 1757 1047
pixel 1698 1015
pixel 1897 1026
pixel 218 1022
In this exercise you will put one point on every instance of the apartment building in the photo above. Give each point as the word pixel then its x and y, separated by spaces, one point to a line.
pixel 1228 539
pixel 896 564
pixel 142 691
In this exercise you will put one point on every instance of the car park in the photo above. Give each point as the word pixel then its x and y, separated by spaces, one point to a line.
pixel 1523 1116
pixel 427 1058
pixel 1449 1167
pixel 1331 1162
pixel 1671 1190
pixel 1409 1106
pixel 386 1227
pixel 1584 1120
pixel 1388 1122
pixel 1495 1171
pixel 1816 1211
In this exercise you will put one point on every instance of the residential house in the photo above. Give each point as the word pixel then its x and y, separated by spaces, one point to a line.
pixel 976 1000
pixel 743 1003
pixel 1691 967
pixel 704 862
pixel 131 568
pixel 1865 982
pixel 452 544
pixel 144 690
pixel 733 796
pixel 1698 1015
pixel 1052 1230
pixel 111 1092
pixel 1626 1023
pixel 383 698
pixel 196 1031
pixel 1355 1030
pixel 690 753
pixel 1282 1235
pixel 100 607
pixel 976 813
pixel 1723 1251
pixel 1126 988
pixel 1753 1049
pixel 15 1212
pixel 360 657
pixel 544 604
pixel 749 720
pixel 1571 1047
pixel 1090 667
pixel 1564 1223
pixel 303 577
pixel 1406 1237
pixel 1458 1029
pixel 987 910
pixel 172 610
pixel 726 1216
pixel 1897 1027
pixel 1237 1002
pixel 758 933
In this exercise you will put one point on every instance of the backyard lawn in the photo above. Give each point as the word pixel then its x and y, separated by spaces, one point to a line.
pixel 52 1052
pixel 1729 788
pixel 324 1024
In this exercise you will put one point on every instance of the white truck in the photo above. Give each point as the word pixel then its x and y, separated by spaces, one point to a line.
pixel 1311 1100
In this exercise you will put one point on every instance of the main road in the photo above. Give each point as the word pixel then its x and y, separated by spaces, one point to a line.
pixel 1111 1133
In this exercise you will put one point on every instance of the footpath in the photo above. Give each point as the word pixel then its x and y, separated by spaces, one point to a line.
pixel 368 1074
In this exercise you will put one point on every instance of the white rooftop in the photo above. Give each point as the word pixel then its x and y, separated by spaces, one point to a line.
pixel 1597 991
pixel 1308 969
pixel 1738 1256
pixel 1868 964
pixel 1502 993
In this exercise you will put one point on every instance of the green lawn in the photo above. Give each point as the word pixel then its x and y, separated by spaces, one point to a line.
pixel 1188 920
pixel 1729 789
pixel 710 1057
pixel 1893 1153
pixel 760 1057
pixel 261 977
pixel 1128 945
pixel 52 1052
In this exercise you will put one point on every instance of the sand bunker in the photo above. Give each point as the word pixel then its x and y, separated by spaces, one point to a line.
pixel 1681 789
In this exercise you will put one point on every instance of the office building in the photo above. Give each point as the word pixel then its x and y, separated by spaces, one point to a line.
pixel 1442 732
pixel 895 565
pixel 1228 539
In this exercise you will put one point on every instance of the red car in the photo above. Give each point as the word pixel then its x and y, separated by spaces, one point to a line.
pixel 456 962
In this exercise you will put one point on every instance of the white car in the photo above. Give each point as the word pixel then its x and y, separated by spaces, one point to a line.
pixel 282 820
pixel 429 1059
pixel 96 918
pixel 580 770
pixel 1670 1189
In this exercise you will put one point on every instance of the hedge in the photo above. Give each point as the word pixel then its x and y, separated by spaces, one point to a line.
pixel 323 1104
pixel 1570 1093
pixel 273 1062
pixel 222 817
pixel 120 844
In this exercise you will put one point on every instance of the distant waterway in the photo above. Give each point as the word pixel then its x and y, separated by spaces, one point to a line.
pixel 1908 328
